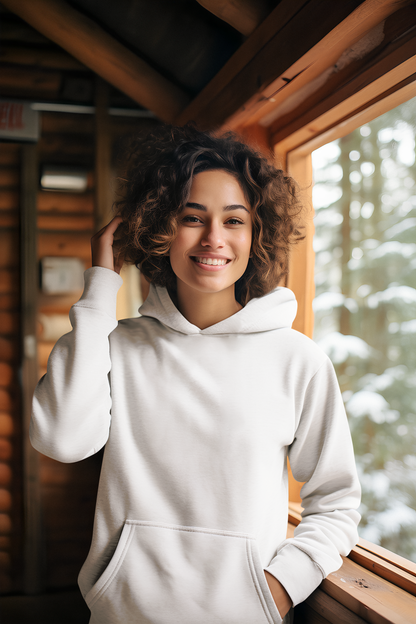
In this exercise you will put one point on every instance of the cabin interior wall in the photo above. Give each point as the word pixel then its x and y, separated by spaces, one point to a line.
pixel 65 223
pixel 11 493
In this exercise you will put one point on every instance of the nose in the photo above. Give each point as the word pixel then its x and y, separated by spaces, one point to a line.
pixel 213 236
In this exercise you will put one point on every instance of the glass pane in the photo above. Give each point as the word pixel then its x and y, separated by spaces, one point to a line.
pixel 365 310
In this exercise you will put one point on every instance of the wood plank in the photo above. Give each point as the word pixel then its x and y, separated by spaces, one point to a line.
pixel 282 14
pixel 330 610
pixel 374 599
pixel 9 200
pixel 385 93
pixel 243 15
pixel 9 177
pixel 52 123
pixel 9 350
pixel 9 219
pixel 58 304
pixel 5 524
pixel 5 500
pixel 257 136
pixel 6 449
pixel 6 425
pixel 40 58
pixel 6 401
pixel 33 540
pixel 303 614
pixel 65 202
pixel 9 281
pixel 9 248
pixel 90 44
pixel 384 569
pixel 292 67
pixel 60 146
pixel 64 244
pixel 9 300
pixel 65 222
pixel 10 154
pixel 359 30
pixel 302 257
pixel 392 52
pixel 389 556
pixel 44 351
pixel 6 375
pixel 9 323
pixel 292 42
pixel 20 82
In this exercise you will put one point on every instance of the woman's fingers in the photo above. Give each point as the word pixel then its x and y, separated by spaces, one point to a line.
pixel 102 247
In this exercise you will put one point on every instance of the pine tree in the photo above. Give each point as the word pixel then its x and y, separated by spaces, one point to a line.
pixel 365 310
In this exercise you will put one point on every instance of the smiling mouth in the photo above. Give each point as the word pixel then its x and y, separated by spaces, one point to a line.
pixel 211 261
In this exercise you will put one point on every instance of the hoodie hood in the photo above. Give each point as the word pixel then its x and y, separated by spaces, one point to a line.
pixel 275 310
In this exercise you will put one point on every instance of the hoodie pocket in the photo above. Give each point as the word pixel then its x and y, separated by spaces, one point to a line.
pixel 169 574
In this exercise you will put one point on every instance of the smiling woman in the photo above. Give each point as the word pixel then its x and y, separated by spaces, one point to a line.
pixel 201 400
pixel 164 167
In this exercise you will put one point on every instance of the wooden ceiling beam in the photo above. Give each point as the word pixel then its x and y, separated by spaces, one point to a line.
pixel 90 44
pixel 243 15
pixel 282 53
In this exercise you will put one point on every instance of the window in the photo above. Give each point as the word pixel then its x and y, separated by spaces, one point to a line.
pixel 365 309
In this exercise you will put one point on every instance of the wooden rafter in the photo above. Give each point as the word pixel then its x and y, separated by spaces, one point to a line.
pixel 243 15
pixel 373 72
pixel 90 44
pixel 282 53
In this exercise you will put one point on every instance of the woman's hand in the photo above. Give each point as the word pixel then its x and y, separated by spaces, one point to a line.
pixel 102 247
pixel 280 596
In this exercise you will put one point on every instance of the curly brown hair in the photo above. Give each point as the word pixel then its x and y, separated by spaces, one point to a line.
pixel 156 187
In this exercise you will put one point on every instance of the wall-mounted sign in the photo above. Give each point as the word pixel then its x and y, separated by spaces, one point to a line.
pixel 18 121
pixel 61 275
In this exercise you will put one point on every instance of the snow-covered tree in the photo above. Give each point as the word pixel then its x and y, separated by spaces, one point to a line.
pixel 365 309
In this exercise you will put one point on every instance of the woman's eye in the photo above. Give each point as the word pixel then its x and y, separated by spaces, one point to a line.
pixel 191 219
pixel 234 221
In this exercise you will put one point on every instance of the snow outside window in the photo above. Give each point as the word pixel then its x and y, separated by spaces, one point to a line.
pixel 365 309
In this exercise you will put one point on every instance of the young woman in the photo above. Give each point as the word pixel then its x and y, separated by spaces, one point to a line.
pixel 200 401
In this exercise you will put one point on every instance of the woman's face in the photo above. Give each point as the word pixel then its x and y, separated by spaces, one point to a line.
pixel 212 247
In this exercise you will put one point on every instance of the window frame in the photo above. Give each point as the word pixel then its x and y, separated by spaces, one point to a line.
pixel 379 568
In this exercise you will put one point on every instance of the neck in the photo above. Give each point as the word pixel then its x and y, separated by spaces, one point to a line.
pixel 206 309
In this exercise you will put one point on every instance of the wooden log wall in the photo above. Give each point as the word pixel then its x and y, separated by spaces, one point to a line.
pixel 10 422
pixel 65 225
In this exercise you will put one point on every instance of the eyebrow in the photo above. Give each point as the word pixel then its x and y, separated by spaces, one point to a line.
pixel 225 209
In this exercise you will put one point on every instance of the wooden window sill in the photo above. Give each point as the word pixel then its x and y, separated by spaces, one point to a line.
pixel 372 585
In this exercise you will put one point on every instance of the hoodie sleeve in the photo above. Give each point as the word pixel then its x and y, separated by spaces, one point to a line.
pixel 322 456
pixel 72 402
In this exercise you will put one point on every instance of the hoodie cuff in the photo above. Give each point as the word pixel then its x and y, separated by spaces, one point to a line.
pixel 296 571
pixel 100 290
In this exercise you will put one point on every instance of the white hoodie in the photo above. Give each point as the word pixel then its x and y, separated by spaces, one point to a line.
pixel 198 424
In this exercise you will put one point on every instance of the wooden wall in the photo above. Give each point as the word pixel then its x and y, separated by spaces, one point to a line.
pixel 10 423
pixel 65 225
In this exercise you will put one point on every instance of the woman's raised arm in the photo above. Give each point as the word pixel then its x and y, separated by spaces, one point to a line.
pixel 72 402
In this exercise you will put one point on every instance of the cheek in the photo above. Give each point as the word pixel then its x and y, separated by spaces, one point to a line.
pixel 244 243
pixel 179 245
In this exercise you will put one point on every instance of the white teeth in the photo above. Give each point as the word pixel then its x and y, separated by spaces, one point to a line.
pixel 214 261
